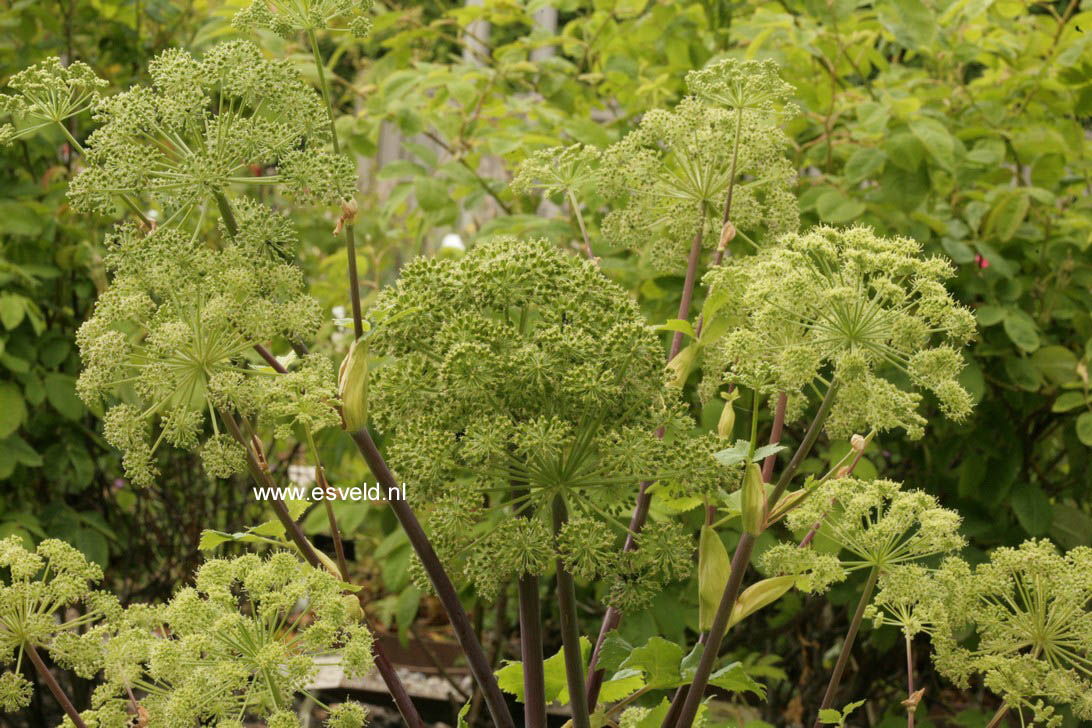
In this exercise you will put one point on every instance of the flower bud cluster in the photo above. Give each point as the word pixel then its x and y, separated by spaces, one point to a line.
pixel 288 19
pixel 243 641
pixel 869 311
pixel 517 374
pixel 172 337
pixel 205 124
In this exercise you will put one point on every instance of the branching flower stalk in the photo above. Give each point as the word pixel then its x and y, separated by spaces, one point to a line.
pixel 740 559
pixel 755 88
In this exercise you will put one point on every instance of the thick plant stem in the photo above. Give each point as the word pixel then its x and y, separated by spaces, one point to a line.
pixel 740 559
pixel 530 643
pixel 687 290
pixel 54 686
pixel 847 646
pixel 776 429
pixel 226 213
pixel 912 708
pixel 441 583
pixel 644 498
pixel 570 629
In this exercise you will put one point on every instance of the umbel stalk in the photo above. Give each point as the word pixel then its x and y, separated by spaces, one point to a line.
pixel 740 559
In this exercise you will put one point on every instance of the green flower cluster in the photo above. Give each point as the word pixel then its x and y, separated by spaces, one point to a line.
pixel 173 335
pixel 1022 621
pixel 518 374
pixel 287 19
pixel 35 600
pixel 241 642
pixel 851 305
pixel 206 124
pixel 670 176
pixel 49 93
pixel 878 523
pixel 564 170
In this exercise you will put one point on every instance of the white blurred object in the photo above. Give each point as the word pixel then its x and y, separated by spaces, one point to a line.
pixel 454 242
pixel 301 474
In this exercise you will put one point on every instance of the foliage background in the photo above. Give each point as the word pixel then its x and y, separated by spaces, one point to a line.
pixel 962 124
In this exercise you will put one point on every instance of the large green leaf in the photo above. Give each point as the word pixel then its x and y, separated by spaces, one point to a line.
pixel 13 409
pixel 1032 509
pixel 1021 329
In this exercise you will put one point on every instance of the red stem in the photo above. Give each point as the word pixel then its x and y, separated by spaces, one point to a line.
pixel 54 686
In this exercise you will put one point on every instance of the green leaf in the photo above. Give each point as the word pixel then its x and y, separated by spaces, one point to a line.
pixel 865 163
pixel 734 678
pixel 61 393
pixel 1057 363
pixel 18 218
pixel 510 676
pixel 904 151
pixel 829 715
pixel 13 409
pixel 1071 527
pixel 614 652
pixel 714 566
pixel 1007 214
pixel 1069 401
pixel 405 611
pixel 659 660
pixel 12 310
pixel 1084 428
pixel 934 136
pixel 835 207
pixel 910 21
pixel 92 544
pixel 678 325
pixel 1021 329
pixel 989 315
pixel 1032 509
pixel 211 539
pixel 622 684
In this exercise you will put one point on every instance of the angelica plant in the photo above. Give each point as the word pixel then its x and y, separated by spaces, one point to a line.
pixel 286 19
pixel 173 336
pixel 520 380
pixel 35 599
pixel 205 125
pixel 881 526
pixel 242 642
pixel 1021 621
pixel 563 171
pixel 48 94
pixel 849 306
pixel 672 174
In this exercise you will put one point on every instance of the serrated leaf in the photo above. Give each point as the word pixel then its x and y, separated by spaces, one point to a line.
pixel 272 528
pixel 211 539
pixel 864 163
pixel 734 678
pixel 614 652
pixel 1008 214
pixel 678 325
pixel 659 660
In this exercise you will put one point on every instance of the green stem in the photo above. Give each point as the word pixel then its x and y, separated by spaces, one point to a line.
pixel 683 715
pixel 350 232
pixel 570 629
pixel 580 221
pixel 847 646
pixel 227 214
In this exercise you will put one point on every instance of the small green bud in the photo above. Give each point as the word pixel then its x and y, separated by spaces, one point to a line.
pixel 727 421
pixel 753 500
pixel 680 367
pixel 352 387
